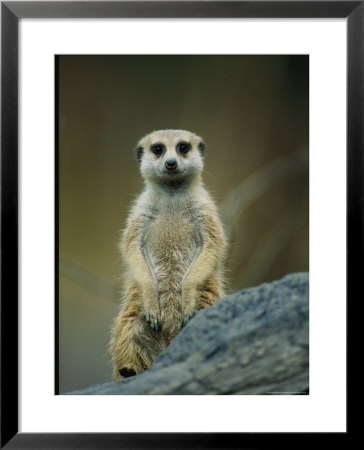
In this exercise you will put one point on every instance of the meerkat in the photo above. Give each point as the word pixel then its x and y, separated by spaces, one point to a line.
pixel 173 246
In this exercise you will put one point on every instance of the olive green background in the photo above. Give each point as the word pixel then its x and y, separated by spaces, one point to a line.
pixel 252 112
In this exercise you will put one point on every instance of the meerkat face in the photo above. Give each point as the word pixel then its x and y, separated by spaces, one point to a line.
pixel 170 156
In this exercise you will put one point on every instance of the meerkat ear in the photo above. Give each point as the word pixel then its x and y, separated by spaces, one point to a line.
pixel 202 147
pixel 139 153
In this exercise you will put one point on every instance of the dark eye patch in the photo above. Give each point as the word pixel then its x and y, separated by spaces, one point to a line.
pixel 183 147
pixel 157 149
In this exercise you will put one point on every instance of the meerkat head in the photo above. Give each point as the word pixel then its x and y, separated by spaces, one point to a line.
pixel 171 157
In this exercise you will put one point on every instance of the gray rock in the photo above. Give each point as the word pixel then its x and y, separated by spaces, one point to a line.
pixel 252 342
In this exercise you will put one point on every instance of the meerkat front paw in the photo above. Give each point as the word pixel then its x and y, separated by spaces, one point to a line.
pixel 188 304
pixel 186 319
pixel 153 320
pixel 187 314
pixel 150 307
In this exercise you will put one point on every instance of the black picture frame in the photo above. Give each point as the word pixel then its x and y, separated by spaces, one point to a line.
pixel 11 12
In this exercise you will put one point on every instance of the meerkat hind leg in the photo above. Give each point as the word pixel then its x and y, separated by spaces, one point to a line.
pixel 135 345
pixel 126 373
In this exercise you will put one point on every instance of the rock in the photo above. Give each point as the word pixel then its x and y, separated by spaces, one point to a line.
pixel 252 342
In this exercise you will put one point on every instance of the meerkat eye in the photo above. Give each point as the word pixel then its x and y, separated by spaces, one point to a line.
pixel 183 147
pixel 157 149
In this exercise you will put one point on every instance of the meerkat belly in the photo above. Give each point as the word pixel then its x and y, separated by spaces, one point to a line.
pixel 171 246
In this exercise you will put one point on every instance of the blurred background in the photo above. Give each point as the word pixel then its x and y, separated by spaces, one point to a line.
pixel 252 112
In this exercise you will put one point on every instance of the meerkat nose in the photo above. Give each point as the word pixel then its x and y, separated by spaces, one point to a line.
pixel 171 164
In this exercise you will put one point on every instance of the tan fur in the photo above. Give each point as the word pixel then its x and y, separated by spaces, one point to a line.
pixel 174 247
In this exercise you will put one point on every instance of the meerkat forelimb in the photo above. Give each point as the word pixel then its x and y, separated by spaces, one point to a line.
pixel 173 246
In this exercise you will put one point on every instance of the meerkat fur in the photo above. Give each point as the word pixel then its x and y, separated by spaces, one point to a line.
pixel 173 246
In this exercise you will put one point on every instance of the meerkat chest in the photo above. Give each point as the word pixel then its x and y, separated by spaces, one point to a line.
pixel 172 238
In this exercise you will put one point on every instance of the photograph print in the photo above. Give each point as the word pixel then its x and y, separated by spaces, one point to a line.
pixel 182 193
